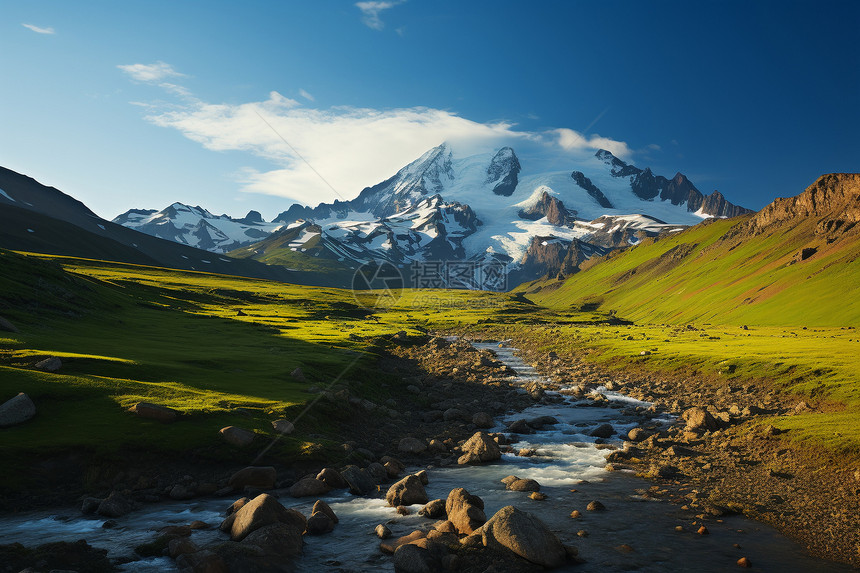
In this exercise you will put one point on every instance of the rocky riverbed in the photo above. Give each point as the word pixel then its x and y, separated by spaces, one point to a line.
pixel 526 450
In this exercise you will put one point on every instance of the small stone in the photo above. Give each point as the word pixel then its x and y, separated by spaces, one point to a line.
pixel 575 514
pixel 154 412
pixel 538 496
pixel 403 510
pixel 703 530
pixel 624 548
pixel 595 506
pixel 236 436
pixel 582 533
pixel 298 374
pixel 282 426
pixel 679 528
pixel 382 531
pixel 744 562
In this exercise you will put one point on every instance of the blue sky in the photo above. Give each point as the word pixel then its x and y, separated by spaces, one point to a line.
pixel 139 104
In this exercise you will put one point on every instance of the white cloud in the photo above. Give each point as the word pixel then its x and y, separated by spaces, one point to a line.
pixel 39 30
pixel 570 140
pixel 306 95
pixel 351 148
pixel 151 73
pixel 371 10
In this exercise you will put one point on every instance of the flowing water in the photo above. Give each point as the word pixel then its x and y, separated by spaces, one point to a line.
pixel 567 458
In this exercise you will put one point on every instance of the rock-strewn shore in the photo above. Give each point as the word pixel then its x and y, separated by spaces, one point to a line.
pixel 724 456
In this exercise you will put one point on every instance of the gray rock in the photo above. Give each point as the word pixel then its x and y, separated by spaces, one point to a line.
pixel 595 506
pixel 298 374
pixel 407 491
pixel 16 410
pixel 308 487
pixel 283 426
pixel 262 511
pixel 283 540
pixel 382 531
pixel 478 449
pixel 332 478
pixel 520 427
pixel 637 435
pixel 322 506
pixel 377 471
pixel 411 446
pixel 359 481
pixel 482 420
pixel 434 510
pixel 410 558
pixel 422 475
pixel 699 419
pixel 236 436
pixel 525 535
pixel 115 506
pixel 50 364
pixel 603 431
pixel 320 523
pixel 455 415
pixel 523 485
pixel 465 511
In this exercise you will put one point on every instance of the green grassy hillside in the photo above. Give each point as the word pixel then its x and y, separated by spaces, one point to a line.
pixel 716 273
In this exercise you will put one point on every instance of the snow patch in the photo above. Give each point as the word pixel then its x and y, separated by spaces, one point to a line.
pixel 6 195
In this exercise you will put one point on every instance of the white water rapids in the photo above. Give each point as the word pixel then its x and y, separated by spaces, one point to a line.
pixel 566 454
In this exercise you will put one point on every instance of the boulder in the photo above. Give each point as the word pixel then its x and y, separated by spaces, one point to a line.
pixel 16 410
pixel 181 492
pixel 235 436
pixel 525 535
pixel 602 431
pixel 382 531
pixel 434 510
pixel 322 506
pixel 411 446
pixel 115 506
pixel 262 511
pixel 414 558
pixel 320 523
pixel 465 511
pixel 482 420
pixel 422 475
pixel 392 470
pixel 699 419
pixel 523 485
pixel 181 546
pixel 282 540
pixel 308 487
pixel 478 449
pixel 359 481
pixel 7 326
pixel 203 561
pixel 595 506
pixel 455 415
pixel 260 477
pixel 637 435
pixel 390 547
pixel 283 426
pixel 377 471
pixel 520 427
pixel 154 412
pixel 332 478
pixel 50 364
pixel 407 491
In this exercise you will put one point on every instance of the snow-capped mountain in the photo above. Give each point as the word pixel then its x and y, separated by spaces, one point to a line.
pixel 197 227
pixel 482 209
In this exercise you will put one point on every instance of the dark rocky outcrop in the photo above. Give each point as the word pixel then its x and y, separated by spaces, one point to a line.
pixel 550 207
pixel 592 189
pixel 504 170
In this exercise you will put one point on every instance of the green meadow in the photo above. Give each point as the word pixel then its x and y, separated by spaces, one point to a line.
pixel 221 350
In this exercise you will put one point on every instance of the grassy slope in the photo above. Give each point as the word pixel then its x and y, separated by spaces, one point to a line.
pixel 721 281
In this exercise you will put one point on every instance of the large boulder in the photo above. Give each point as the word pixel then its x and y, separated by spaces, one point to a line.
pixel 525 535
pixel 407 491
pixel 359 481
pixel 412 446
pixel 16 410
pixel 699 419
pixel 322 519
pixel 260 477
pixel 332 478
pixel 283 540
pixel 478 449
pixel 422 556
pixel 465 511
pixel 261 511
pixel 308 487
pixel 115 506
pixel 154 412
pixel 238 437
pixel 49 364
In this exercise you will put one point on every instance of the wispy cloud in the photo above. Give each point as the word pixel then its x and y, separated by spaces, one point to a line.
pixel 39 30
pixel 570 140
pixel 306 95
pixel 150 73
pixel 370 12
